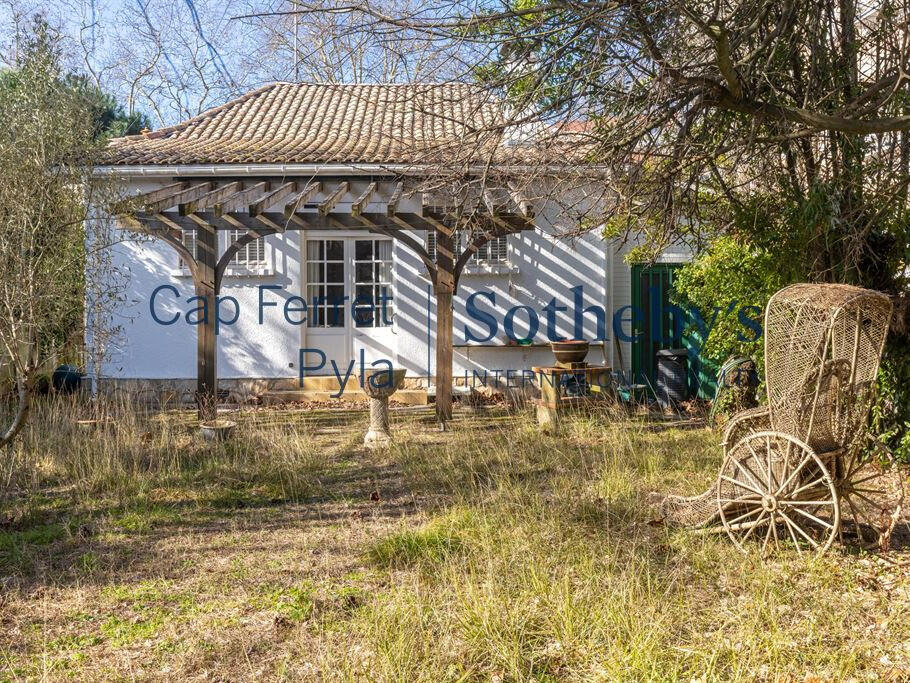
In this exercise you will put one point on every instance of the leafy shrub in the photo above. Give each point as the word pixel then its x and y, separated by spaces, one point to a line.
pixel 725 279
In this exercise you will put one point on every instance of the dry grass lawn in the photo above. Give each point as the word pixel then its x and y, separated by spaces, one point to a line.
pixel 490 553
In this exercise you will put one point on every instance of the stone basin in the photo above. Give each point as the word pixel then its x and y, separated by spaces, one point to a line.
pixel 382 383
pixel 570 350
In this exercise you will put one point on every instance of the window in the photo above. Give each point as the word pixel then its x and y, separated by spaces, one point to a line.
pixel 325 283
pixel 431 245
pixel 250 254
pixel 494 251
pixel 189 241
pixel 373 282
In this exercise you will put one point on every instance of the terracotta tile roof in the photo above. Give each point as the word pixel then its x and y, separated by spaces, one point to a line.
pixel 311 123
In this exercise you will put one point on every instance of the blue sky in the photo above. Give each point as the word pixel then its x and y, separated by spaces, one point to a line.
pixel 174 58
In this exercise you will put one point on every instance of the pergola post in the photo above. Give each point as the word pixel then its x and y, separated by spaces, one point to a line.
pixel 444 289
pixel 206 353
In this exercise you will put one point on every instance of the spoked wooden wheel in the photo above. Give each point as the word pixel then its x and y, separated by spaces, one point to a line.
pixel 871 499
pixel 775 491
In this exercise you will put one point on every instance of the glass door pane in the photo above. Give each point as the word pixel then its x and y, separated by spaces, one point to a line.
pixel 373 282
pixel 325 283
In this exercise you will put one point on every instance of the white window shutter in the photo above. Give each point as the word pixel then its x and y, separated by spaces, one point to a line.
pixel 499 249
pixel 431 244
pixel 250 254
pixel 189 241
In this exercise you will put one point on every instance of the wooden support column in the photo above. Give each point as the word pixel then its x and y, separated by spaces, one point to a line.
pixel 444 289
pixel 206 356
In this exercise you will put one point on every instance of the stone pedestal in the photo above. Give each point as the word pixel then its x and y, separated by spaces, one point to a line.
pixel 378 434
pixel 379 385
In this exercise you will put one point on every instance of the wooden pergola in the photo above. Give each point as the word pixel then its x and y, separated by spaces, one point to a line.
pixel 265 207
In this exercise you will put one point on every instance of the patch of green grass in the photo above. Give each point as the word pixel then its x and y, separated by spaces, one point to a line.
pixel 75 643
pixel 122 631
pixel 432 544
pixel 145 519
pixel 295 603
pixel 39 535
pixel 151 595
pixel 87 562
pixel 17 546
pixel 141 594
pixel 235 498
pixel 206 503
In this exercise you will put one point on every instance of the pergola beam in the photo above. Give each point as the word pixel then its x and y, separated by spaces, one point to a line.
pixel 525 207
pixel 173 199
pixel 437 223
pixel 502 223
pixel 170 223
pixel 272 225
pixel 510 222
pixel 272 198
pixel 364 199
pixel 305 195
pixel 301 220
pixel 240 200
pixel 329 203
pixel 153 196
pixel 191 206
pixel 392 207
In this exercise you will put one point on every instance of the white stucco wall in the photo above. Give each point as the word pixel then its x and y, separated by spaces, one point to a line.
pixel 149 350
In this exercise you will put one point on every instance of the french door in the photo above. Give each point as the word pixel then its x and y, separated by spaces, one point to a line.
pixel 349 293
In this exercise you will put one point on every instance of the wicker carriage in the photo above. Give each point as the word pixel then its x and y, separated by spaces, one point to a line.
pixel 791 470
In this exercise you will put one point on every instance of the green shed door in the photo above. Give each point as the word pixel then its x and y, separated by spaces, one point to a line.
pixel 657 329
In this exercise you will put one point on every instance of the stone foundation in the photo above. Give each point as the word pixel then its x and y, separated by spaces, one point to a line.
pixel 176 393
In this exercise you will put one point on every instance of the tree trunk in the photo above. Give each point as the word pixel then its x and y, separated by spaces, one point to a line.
pixel 25 404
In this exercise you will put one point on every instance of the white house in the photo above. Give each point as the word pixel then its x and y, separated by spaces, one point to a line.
pixel 286 312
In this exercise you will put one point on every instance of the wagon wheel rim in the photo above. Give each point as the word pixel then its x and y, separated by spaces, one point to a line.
pixel 774 490
pixel 864 500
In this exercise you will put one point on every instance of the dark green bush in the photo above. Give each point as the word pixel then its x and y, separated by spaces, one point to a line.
pixel 891 411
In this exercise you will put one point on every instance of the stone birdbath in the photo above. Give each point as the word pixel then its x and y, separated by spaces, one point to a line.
pixel 379 385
